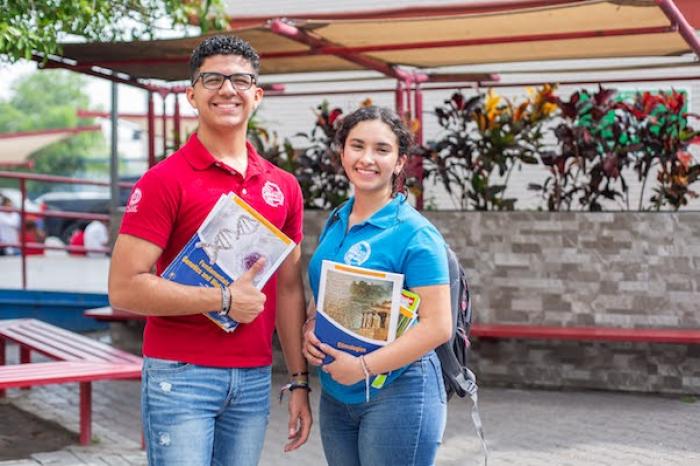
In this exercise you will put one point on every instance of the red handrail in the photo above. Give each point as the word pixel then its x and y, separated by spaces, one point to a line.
pixel 23 244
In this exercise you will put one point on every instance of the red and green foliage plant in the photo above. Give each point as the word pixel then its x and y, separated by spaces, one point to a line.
pixel 485 138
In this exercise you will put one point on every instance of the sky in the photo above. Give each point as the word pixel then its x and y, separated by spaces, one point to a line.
pixel 131 99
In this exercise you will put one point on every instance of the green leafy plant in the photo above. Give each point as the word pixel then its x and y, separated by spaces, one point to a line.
pixel 28 26
pixel 323 183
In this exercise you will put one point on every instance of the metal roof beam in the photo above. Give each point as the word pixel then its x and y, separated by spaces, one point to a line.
pixel 676 17
pixel 337 50
pixel 289 31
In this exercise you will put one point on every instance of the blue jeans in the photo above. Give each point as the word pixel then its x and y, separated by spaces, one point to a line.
pixel 402 425
pixel 201 416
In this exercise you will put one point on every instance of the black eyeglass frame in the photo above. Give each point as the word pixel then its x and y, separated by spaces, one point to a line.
pixel 229 77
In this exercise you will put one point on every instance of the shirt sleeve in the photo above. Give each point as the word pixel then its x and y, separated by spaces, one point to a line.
pixel 294 223
pixel 151 210
pixel 425 261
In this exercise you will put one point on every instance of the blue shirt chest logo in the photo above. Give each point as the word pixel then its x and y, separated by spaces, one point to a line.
pixel 358 253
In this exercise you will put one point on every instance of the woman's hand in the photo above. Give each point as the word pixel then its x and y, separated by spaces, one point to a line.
pixel 346 369
pixel 311 349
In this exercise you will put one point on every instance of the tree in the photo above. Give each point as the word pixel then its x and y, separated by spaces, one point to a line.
pixel 28 26
pixel 50 99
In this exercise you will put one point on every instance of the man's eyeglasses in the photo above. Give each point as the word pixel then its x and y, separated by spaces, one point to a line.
pixel 213 81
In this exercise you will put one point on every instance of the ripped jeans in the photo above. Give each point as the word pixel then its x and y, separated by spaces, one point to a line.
pixel 201 416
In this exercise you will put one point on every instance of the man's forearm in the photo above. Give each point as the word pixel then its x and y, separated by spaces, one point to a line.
pixel 149 294
pixel 289 321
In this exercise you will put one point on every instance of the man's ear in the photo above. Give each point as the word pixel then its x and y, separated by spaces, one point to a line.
pixel 189 92
pixel 259 92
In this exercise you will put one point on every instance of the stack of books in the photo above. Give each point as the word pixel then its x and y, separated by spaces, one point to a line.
pixel 360 310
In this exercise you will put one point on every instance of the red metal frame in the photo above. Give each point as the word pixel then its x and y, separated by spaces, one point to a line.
pixel 493 6
pixel 43 132
pixel 151 131
pixel 292 32
pixel 343 51
pixel 685 29
pixel 22 178
pixel 543 332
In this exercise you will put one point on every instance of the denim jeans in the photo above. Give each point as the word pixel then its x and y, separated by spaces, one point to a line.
pixel 402 425
pixel 201 416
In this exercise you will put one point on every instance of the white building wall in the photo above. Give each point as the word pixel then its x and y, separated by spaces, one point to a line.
pixel 290 115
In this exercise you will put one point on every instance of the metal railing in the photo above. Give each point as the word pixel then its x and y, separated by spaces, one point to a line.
pixel 23 245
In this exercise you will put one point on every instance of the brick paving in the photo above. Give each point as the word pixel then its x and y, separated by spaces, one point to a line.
pixel 523 427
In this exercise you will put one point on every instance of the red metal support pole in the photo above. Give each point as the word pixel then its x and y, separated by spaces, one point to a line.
pixel 151 131
pixel 399 97
pixel 418 96
pixel 176 121
pixel 407 88
pixel 165 124
pixel 684 28
pixel 85 413
pixel 2 362
pixel 417 161
pixel 22 230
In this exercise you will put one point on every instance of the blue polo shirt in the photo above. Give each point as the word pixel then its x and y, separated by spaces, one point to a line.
pixel 398 239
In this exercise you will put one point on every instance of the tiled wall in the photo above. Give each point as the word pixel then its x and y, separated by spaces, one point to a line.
pixel 608 269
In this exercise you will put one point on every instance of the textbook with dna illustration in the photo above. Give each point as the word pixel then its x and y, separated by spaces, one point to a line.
pixel 230 240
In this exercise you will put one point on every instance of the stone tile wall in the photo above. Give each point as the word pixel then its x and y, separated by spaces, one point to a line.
pixel 578 269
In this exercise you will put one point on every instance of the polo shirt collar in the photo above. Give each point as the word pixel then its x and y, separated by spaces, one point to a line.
pixel 201 159
pixel 383 218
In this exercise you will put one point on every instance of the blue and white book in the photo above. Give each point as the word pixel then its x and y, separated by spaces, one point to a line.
pixel 357 308
pixel 228 242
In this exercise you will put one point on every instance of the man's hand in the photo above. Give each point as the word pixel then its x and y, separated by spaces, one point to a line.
pixel 345 369
pixel 247 302
pixel 299 419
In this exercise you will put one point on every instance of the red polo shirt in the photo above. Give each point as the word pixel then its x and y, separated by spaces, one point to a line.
pixel 167 206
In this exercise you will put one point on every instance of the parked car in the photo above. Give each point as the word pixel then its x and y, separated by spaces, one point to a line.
pixel 88 202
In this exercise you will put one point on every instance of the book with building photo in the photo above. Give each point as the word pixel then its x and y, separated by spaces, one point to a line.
pixel 230 240
pixel 357 308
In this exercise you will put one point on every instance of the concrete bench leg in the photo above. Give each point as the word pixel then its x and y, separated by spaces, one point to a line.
pixel 85 413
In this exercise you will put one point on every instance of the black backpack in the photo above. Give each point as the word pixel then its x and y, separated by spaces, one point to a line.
pixel 454 354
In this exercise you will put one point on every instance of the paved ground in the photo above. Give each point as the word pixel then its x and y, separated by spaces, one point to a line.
pixel 523 427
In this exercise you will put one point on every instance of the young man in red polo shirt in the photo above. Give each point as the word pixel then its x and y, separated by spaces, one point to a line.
pixel 205 392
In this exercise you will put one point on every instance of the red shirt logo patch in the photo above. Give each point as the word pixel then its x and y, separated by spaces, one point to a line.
pixel 272 194
pixel 133 204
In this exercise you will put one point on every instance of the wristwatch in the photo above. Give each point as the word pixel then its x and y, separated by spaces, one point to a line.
pixel 225 301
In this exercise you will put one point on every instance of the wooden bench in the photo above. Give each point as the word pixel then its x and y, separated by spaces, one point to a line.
pixel 109 314
pixel 541 332
pixel 76 359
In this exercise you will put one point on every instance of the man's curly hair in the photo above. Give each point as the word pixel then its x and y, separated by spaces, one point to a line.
pixel 223 45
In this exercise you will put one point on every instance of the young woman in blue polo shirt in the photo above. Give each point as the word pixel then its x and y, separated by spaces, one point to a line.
pixel 402 423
